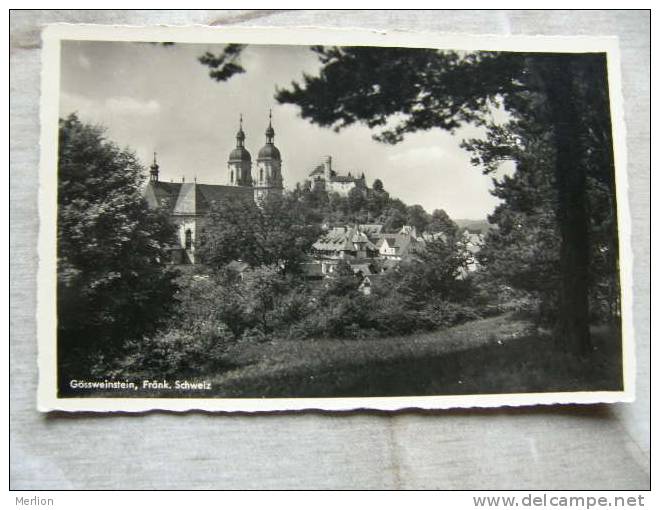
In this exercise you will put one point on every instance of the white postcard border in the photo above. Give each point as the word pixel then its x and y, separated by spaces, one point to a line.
pixel 46 303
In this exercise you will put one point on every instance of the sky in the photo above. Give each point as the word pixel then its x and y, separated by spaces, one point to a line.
pixel 159 98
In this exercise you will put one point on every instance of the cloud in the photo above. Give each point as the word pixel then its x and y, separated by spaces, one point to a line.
pixel 419 155
pixel 116 106
pixel 128 106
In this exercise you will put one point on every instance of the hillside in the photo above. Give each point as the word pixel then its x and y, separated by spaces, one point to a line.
pixel 481 225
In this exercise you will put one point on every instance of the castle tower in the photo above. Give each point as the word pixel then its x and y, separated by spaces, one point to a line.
pixel 239 166
pixel 153 170
pixel 268 179
pixel 327 168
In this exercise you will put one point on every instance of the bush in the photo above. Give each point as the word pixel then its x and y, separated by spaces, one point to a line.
pixel 176 353
pixel 445 314
pixel 254 335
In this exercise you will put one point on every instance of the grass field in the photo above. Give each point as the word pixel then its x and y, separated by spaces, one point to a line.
pixel 494 355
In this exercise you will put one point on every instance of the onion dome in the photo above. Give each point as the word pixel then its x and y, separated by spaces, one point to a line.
pixel 269 151
pixel 239 154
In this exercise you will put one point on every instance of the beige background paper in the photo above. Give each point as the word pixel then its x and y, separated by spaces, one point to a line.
pixel 563 447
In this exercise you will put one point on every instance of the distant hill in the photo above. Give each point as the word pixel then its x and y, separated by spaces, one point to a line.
pixel 477 225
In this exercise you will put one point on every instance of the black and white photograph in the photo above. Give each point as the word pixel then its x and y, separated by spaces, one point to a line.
pixel 235 220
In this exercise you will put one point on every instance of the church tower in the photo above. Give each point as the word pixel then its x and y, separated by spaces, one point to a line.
pixel 240 162
pixel 269 167
pixel 153 170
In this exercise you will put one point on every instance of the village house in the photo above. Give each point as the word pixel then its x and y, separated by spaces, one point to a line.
pixel 399 245
pixel 343 243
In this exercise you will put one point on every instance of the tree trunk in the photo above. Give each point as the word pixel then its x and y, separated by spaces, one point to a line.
pixel 572 326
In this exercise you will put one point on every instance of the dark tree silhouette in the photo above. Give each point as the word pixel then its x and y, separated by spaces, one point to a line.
pixel 421 89
pixel 225 64
pixel 113 284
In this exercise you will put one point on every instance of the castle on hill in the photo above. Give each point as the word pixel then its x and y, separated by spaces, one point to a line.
pixel 325 178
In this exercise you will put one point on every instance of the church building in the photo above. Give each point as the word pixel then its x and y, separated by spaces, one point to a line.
pixel 188 203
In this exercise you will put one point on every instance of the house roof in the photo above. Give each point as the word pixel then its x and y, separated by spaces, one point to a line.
pixel 343 239
pixel 403 243
pixel 473 241
pixel 371 228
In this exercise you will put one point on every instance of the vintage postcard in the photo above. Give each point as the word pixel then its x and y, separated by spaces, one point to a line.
pixel 263 219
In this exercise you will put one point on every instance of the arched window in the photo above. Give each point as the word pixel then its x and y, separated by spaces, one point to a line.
pixel 231 179
pixel 261 175
pixel 188 239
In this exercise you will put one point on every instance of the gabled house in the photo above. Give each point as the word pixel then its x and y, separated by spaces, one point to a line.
pixel 349 244
pixel 400 245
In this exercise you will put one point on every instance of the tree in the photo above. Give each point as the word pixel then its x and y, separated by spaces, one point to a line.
pixel 280 233
pixel 392 219
pixel 417 217
pixel 435 273
pixel 441 223
pixel 425 89
pixel 525 249
pixel 225 64
pixel 260 294
pixel 113 284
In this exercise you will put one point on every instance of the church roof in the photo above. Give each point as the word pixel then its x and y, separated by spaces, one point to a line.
pixel 192 198
pixel 162 194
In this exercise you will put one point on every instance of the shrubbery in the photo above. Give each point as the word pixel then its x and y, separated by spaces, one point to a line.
pixel 176 352
pixel 223 308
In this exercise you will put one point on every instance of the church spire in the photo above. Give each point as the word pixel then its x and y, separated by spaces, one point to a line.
pixel 153 170
pixel 270 132
pixel 240 136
